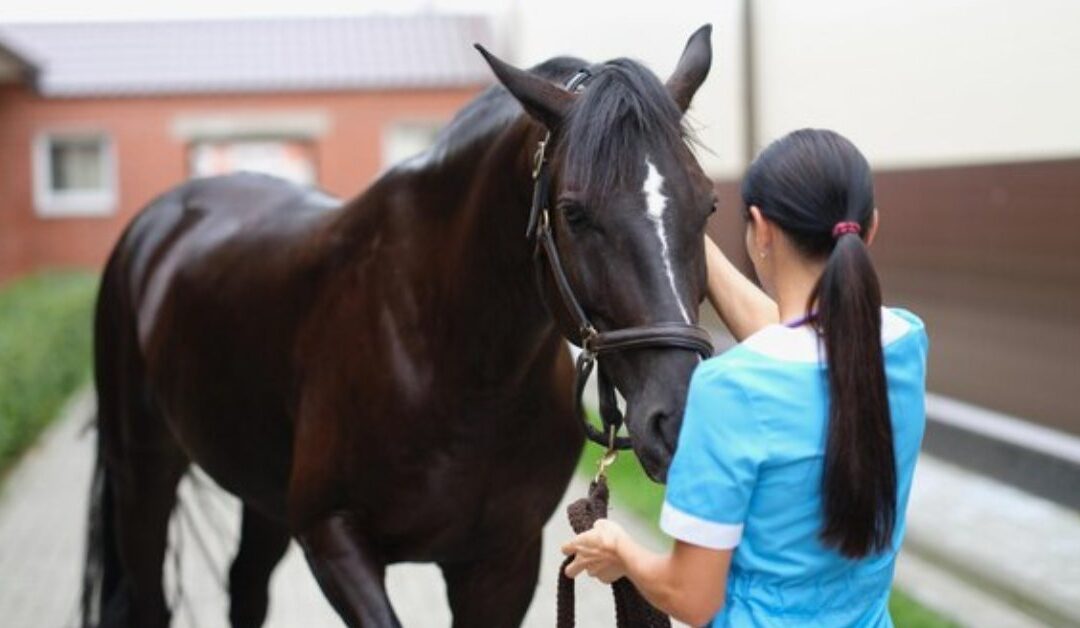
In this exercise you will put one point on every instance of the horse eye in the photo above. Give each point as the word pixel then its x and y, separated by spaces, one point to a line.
pixel 576 216
pixel 715 203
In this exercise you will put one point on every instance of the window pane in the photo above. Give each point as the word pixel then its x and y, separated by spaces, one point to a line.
pixel 288 159
pixel 76 164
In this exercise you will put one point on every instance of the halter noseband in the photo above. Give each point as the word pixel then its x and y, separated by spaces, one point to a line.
pixel 595 344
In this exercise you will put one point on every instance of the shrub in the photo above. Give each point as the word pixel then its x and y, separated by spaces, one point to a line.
pixel 45 340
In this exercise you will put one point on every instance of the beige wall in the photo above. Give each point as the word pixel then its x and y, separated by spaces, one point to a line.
pixel 925 82
pixel 655 34
pixel 914 83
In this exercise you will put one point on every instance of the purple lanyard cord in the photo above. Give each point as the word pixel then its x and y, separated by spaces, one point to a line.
pixel 802 320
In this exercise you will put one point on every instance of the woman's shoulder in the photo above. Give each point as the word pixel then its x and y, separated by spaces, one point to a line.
pixel 769 355
pixel 777 345
pixel 727 373
pixel 898 323
pixel 732 361
pixel 905 315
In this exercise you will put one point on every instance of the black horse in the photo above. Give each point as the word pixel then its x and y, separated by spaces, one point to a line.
pixel 381 379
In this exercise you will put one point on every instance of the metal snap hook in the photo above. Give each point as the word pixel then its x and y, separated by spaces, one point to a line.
pixel 609 456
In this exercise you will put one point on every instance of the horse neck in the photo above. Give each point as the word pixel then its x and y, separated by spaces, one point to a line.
pixel 488 253
pixel 457 228
pixel 490 223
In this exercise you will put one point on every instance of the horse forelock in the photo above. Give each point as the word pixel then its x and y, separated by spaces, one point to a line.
pixel 623 113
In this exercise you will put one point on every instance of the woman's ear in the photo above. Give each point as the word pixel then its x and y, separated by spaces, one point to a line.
pixel 762 230
pixel 871 233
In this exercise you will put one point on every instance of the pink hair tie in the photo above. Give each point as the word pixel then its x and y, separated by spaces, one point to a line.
pixel 843 228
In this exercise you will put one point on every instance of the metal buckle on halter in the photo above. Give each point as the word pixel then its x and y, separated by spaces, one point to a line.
pixel 539 157
pixel 577 81
pixel 545 220
pixel 588 334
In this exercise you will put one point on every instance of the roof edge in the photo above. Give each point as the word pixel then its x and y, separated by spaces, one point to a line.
pixel 27 69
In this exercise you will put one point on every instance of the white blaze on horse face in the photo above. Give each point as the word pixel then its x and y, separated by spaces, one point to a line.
pixel 655 204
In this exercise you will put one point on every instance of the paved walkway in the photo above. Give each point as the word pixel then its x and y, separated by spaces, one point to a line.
pixel 998 556
pixel 42 529
pixel 980 552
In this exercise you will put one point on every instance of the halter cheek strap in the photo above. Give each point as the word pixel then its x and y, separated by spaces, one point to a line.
pixel 631 609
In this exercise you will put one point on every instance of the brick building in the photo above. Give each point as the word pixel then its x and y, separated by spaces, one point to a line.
pixel 97 119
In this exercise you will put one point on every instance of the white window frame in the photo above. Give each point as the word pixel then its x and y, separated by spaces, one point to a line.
pixel 50 203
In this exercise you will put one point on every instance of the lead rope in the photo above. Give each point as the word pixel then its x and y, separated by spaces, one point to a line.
pixel 631 609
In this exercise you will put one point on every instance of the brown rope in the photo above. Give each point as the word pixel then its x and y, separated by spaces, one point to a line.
pixel 631 610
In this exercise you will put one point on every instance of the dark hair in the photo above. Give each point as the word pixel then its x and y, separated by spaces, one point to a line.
pixel 622 106
pixel 807 182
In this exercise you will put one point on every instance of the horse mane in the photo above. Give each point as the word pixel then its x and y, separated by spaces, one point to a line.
pixel 486 115
pixel 622 107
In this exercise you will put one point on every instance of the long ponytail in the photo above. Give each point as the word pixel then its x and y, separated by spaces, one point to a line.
pixel 808 182
pixel 859 479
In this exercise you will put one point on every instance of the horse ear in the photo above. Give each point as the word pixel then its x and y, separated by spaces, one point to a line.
pixel 692 68
pixel 545 102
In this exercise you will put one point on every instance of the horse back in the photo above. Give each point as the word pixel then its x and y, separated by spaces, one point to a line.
pixel 216 275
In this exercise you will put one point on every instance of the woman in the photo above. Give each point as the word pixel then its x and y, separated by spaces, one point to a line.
pixel 787 492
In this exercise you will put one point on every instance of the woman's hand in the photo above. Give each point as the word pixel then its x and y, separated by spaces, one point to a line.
pixel 596 552
pixel 687 584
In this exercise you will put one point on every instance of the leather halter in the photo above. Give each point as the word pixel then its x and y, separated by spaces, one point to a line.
pixel 594 343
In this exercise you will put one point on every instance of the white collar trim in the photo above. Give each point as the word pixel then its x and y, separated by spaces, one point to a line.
pixel 801 344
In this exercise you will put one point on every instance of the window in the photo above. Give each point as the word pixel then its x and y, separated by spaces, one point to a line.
pixel 407 139
pixel 293 160
pixel 74 174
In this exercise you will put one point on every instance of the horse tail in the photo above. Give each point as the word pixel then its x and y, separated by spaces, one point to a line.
pixel 102 570
pixel 103 575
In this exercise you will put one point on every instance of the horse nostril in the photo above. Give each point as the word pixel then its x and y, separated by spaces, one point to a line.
pixel 658 424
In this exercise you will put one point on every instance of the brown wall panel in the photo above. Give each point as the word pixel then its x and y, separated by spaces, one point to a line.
pixel 989 256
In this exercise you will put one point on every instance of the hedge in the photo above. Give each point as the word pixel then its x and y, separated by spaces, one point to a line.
pixel 45 340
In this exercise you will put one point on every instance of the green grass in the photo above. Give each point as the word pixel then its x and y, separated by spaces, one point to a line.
pixel 632 490
pixel 45 338
pixel 907 612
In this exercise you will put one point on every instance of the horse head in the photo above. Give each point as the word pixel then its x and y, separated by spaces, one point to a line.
pixel 628 205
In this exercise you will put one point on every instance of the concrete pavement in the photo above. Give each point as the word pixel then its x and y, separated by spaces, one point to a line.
pixel 42 530
pixel 1018 554
pixel 977 551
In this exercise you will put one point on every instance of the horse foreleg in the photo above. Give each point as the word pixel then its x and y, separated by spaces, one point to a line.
pixel 348 572
pixel 263 542
pixel 494 591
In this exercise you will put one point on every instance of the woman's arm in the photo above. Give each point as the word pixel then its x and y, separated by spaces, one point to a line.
pixel 742 306
pixel 688 584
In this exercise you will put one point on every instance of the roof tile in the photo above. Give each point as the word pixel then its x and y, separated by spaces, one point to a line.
pixel 306 54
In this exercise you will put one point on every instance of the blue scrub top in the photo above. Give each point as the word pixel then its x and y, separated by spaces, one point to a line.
pixel 747 475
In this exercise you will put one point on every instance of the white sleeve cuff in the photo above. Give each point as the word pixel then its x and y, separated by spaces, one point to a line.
pixel 686 527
